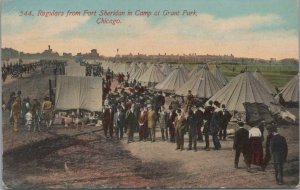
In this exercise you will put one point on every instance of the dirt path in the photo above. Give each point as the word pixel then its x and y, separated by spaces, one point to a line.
pixel 70 158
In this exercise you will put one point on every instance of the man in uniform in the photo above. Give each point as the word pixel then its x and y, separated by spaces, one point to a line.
pixel 47 111
pixel 163 123
pixel 151 116
pixel 36 115
pixel 180 123
pixel 16 110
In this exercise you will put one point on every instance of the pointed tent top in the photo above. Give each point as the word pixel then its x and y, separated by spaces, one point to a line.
pixel 174 81
pixel 219 76
pixel 264 82
pixel 243 88
pixel 153 75
pixel 203 85
pixel 290 91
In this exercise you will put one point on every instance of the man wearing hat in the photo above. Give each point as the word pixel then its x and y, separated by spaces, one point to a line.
pixel 225 118
pixel 215 125
pixel 199 122
pixel 267 157
pixel 240 144
pixel 36 115
pixel 189 101
pixel 47 111
pixel 16 110
pixel 208 112
pixel 108 121
pixel 180 129
pixel 132 123
pixel 279 151
pixel 119 121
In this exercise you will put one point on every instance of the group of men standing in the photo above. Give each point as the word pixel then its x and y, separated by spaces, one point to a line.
pixel 249 143
pixel 174 123
pixel 24 112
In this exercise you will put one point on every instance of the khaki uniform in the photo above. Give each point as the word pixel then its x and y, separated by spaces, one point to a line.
pixel 151 124
pixel 179 131
pixel 16 110
pixel 47 110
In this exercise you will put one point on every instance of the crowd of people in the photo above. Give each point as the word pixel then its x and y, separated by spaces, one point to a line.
pixel 16 70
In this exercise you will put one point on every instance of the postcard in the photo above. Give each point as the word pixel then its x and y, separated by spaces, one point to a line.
pixel 150 94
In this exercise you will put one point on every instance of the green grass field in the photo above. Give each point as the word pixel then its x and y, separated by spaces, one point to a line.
pixel 277 74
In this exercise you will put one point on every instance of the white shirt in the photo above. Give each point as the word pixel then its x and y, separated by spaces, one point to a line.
pixel 254 132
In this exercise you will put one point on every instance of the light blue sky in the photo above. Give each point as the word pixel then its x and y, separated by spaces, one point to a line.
pixel 245 21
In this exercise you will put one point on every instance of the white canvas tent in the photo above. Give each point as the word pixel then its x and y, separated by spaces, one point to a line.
pixel 242 89
pixel 152 75
pixel 78 93
pixel 203 85
pixel 174 81
pixel 219 76
pixel 270 88
pixel 143 68
pixel 290 91
pixel 166 69
pixel 194 71
pixel 133 69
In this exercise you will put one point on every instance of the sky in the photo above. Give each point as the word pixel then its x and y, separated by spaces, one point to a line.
pixel 245 28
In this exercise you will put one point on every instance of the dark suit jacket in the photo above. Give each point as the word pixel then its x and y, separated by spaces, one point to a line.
pixel 108 117
pixel 241 138
pixel 278 148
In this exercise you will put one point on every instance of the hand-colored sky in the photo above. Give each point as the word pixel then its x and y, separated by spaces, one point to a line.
pixel 244 28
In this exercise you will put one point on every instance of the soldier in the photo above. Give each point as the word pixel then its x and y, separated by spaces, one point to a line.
pixel 180 130
pixel 119 121
pixel 240 145
pixel 16 110
pixel 208 112
pixel 163 123
pixel 192 130
pixel 47 111
pixel 132 123
pixel 151 116
pixel 36 115
pixel 215 125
